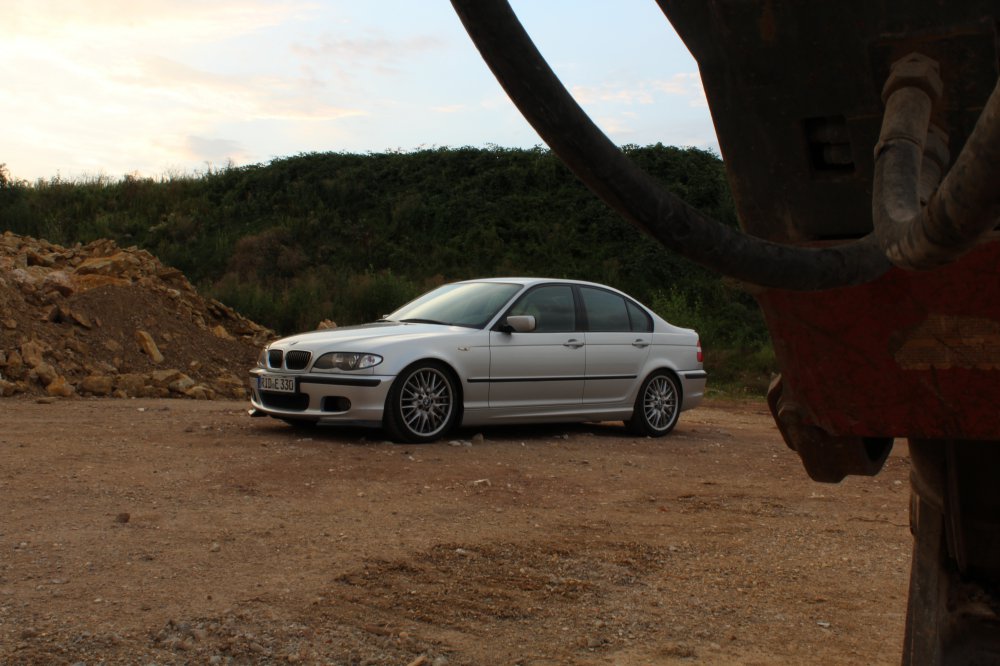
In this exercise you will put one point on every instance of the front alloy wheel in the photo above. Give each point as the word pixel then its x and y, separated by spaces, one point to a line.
pixel 421 405
pixel 656 407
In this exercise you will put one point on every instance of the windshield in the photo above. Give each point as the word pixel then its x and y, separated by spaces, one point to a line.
pixel 470 304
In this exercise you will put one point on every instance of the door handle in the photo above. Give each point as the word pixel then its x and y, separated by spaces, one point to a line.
pixel 640 343
pixel 573 343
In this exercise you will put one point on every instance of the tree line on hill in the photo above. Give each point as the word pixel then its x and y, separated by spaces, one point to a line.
pixel 349 237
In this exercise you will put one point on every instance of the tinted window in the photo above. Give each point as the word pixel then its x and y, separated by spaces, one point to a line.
pixel 605 311
pixel 641 323
pixel 552 307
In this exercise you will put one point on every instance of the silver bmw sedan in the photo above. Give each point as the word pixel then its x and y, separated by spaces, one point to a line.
pixel 488 352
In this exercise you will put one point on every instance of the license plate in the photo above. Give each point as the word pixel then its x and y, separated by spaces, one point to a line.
pixel 276 383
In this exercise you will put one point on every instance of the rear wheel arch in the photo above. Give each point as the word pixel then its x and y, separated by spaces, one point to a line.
pixel 673 372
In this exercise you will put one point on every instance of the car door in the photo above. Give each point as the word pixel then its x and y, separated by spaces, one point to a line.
pixel 544 367
pixel 619 335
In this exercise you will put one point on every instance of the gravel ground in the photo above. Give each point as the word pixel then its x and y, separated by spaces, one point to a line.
pixel 184 532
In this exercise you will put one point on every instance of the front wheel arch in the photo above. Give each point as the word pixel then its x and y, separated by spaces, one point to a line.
pixel 657 404
pixel 421 375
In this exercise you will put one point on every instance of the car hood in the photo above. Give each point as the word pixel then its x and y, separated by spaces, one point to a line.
pixel 367 337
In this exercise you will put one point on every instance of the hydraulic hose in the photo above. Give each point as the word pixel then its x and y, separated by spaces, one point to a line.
pixel 569 132
pixel 908 159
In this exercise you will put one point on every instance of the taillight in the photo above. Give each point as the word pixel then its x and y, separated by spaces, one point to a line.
pixel 701 356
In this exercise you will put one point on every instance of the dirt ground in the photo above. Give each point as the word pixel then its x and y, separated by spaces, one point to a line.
pixel 153 531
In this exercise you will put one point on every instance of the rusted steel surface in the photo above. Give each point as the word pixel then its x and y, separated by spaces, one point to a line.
pixel 796 93
pixel 909 355
pixel 795 90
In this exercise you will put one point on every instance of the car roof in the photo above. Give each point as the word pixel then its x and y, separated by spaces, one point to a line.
pixel 530 281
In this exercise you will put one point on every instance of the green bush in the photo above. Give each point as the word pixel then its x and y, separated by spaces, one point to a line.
pixel 371 295
pixel 739 357
pixel 740 372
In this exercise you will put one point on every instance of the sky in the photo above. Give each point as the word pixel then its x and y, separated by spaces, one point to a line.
pixel 157 88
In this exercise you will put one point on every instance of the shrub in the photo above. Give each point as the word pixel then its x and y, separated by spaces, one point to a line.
pixel 738 353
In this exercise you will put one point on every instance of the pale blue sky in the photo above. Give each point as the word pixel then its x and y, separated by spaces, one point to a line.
pixel 150 87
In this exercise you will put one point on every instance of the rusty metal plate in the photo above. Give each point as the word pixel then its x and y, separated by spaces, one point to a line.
pixel 909 355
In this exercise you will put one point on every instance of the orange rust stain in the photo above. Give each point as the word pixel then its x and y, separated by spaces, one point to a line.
pixel 944 342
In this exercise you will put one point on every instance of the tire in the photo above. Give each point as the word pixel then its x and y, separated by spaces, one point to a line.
pixel 422 405
pixel 657 406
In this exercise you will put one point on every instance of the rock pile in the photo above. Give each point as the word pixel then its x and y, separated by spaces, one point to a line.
pixel 101 320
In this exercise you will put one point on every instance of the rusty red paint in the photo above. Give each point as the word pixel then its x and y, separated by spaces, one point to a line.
pixel 909 355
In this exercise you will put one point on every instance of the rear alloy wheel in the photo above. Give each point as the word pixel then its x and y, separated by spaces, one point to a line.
pixel 656 407
pixel 422 404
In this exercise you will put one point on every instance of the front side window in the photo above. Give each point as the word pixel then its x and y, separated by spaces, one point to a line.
pixel 551 306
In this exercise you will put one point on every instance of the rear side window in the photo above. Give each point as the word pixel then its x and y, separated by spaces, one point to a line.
pixel 641 323
pixel 605 311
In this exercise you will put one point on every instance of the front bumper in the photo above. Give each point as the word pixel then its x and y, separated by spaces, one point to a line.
pixel 342 399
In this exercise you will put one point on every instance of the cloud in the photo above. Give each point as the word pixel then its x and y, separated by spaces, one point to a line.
pixel 615 126
pixel 150 22
pixel 215 151
pixel 237 96
pixel 686 85
pixel 355 65
pixel 607 93
pixel 374 53
pixel 147 85
pixel 126 86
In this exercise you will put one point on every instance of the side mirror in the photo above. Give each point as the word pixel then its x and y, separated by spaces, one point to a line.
pixel 519 324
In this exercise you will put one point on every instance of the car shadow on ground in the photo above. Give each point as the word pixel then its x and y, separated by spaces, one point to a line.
pixel 362 436
pixel 545 431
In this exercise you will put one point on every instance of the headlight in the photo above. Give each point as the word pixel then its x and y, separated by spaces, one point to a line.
pixel 262 359
pixel 346 361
